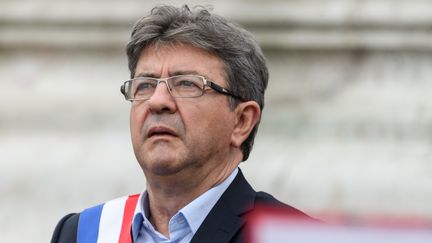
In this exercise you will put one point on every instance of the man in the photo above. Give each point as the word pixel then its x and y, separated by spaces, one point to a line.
pixel 197 91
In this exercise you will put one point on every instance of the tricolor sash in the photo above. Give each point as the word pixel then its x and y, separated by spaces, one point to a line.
pixel 109 222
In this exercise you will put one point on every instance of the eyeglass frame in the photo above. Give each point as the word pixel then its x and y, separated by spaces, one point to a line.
pixel 206 83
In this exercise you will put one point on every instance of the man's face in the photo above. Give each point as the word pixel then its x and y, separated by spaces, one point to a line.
pixel 181 135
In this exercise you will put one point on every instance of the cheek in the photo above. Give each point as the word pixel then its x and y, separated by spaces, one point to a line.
pixel 214 124
pixel 137 116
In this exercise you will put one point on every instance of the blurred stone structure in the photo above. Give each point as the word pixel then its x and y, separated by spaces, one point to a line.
pixel 347 125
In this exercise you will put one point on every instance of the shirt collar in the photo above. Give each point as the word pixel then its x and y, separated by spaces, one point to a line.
pixel 195 212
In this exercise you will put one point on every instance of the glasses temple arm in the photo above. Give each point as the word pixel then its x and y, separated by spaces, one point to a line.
pixel 222 90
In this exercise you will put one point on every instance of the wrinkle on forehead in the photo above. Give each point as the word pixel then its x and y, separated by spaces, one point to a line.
pixel 161 50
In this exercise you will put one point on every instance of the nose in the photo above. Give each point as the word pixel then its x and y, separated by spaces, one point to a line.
pixel 161 100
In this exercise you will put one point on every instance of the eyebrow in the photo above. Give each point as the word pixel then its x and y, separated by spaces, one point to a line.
pixel 144 74
pixel 182 72
pixel 185 72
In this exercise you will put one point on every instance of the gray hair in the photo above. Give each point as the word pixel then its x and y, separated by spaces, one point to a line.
pixel 245 64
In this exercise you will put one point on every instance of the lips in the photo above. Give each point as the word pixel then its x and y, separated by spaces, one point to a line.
pixel 160 131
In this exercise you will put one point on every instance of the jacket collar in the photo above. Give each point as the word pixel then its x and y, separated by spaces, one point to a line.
pixel 224 220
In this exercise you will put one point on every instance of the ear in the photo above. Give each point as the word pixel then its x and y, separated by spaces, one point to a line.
pixel 247 115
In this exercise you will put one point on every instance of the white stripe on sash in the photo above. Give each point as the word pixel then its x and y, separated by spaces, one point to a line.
pixel 137 207
pixel 111 221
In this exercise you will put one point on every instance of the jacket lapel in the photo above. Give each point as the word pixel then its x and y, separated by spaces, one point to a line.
pixel 225 219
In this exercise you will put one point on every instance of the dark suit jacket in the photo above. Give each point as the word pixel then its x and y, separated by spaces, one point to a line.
pixel 224 223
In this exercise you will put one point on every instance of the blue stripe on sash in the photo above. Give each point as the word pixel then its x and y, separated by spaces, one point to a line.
pixel 88 226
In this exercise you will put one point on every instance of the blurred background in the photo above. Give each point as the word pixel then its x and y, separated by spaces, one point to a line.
pixel 347 126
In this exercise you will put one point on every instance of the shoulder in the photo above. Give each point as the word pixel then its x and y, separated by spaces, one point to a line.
pixel 245 198
pixel 267 199
pixel 88 220
pixel 264 200
pixel 66 229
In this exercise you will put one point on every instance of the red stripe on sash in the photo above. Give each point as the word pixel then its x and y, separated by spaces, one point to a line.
pixel 130 205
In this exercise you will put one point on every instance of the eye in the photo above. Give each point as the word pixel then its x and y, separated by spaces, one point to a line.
pixel 145 86
pixel 185 83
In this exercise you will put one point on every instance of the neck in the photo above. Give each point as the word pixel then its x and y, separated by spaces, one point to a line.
pixel 169 194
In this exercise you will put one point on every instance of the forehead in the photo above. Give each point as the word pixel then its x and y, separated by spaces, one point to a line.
pixel 169 59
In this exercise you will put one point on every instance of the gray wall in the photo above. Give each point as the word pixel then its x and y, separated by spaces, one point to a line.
pixel 347 125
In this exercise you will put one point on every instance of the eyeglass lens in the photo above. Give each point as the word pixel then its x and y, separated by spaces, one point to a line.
pixel 179 86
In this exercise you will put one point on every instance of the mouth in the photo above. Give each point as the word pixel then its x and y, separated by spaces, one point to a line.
pixel 159 131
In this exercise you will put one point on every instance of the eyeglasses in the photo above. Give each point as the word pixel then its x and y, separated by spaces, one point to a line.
pixel 180 86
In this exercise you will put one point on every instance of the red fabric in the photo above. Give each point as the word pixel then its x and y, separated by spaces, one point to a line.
pixel 130 205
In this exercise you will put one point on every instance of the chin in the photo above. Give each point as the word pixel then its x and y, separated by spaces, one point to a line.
pixel 162 167
pixel 164 171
